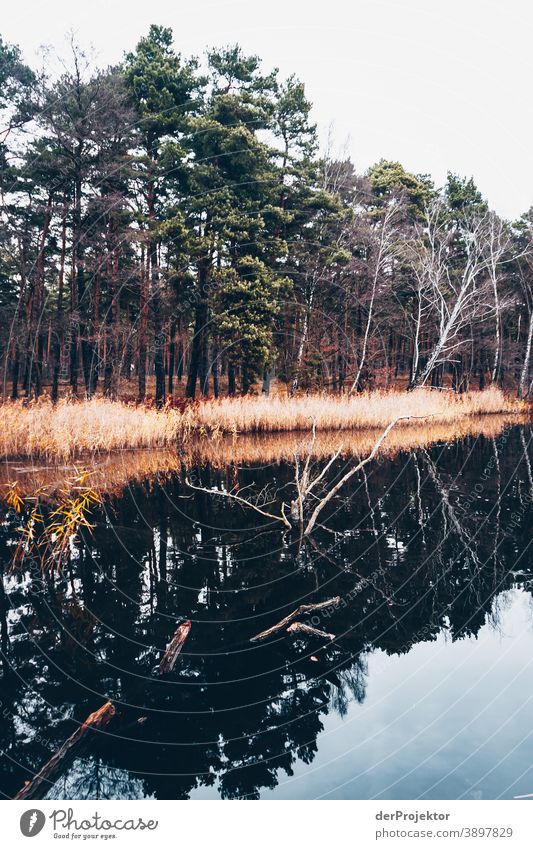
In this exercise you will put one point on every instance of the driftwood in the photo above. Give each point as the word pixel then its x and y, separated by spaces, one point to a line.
pixel 282 518
pixel 305 484
pixel 97 720
pixel 301 628
pixel 168 661
pixel 304 608
pixel 362 463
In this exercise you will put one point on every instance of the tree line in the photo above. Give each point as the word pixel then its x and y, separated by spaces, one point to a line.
pixel 169 226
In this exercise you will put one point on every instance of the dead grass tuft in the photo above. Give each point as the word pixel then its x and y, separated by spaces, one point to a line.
pixel 66 430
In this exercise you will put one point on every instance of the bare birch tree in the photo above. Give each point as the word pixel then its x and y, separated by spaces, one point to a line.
pixel 382 251
pixel 457 296
pixel 497 243
pixel 525 275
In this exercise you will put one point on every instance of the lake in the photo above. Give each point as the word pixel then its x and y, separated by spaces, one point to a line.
pixel 425 691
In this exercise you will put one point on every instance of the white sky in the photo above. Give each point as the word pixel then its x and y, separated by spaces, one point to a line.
pixel 437 84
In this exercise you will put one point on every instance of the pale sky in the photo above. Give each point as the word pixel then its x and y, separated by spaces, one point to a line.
pixel 437 84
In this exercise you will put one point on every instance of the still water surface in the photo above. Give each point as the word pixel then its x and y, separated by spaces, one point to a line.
pixel 426 692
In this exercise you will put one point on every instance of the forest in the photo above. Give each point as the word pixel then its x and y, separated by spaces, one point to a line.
pixel 171 228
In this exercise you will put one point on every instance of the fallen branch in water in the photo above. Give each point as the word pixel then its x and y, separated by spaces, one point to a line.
pixel 304 608
pixel 97 720
pixel 334 490
pixel 305 483
pixel 283 518
pixel 170 656
pixel 308 630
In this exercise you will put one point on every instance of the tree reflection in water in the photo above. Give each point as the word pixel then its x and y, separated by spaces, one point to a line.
pixel 425 542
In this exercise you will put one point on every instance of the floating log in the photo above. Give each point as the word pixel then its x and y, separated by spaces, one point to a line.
pixel 168 661
pixel 301 628
pixel 304 608
pixel 97 720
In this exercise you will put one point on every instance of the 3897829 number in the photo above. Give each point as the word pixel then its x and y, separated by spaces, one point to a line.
pixel 486 831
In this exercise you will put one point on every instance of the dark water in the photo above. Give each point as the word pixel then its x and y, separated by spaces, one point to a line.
pixel 427 691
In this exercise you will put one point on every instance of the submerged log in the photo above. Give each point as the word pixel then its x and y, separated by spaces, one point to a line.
pixel 304 608
pixel 168 661
pixel 97 720
pixel 301 628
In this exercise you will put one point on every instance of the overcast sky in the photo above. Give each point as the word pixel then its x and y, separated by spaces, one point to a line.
pixel 437 84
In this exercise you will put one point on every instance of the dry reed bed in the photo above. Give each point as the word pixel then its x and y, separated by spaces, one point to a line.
pixel 369 410
pixel 112 473
pixel 67 430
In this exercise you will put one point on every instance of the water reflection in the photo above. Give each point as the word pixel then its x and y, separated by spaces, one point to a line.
pixel 420 545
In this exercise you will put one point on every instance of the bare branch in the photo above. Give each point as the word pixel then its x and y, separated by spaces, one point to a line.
pixel 283 519
pixel 338 486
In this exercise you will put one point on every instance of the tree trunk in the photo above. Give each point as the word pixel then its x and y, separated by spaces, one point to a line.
pixel 497 328
pixel 34 365
pixel 301 348
pixel 214 370
pixel 524 374
pixel 15 373
pixel 231 378
pixel 143 329
pixel 198 357
pixel 110 367
pixel 172 357
pixel 156 303
pixel 57 346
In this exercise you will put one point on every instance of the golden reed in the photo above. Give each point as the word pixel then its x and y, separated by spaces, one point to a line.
pixel 68 430
pixel 111 473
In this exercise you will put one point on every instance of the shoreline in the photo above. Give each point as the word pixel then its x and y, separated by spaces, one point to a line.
pixel 78 430
pixel 113 471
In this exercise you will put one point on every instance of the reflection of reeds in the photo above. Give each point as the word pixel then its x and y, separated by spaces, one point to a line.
pixel 113 472
pixel 270 448
pixel 67 430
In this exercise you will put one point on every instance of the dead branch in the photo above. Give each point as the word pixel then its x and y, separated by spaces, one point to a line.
pixel 97 720
pixel 301 628
pixel 333 492
pixel 170 656
pixel 305 484
pixel 283 518
pixel 303 608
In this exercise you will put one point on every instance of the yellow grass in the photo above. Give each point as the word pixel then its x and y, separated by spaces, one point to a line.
pixel 112 473
pixel 68 430
pixel 370 410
